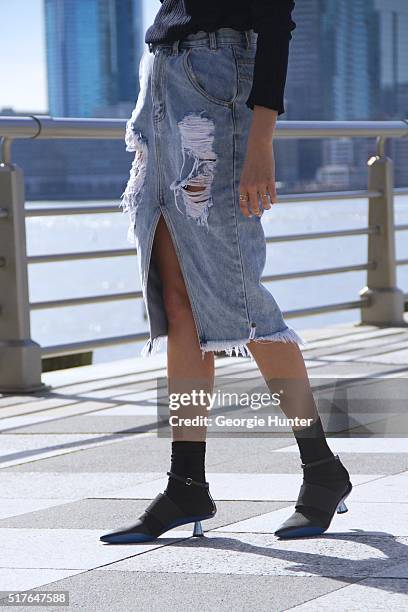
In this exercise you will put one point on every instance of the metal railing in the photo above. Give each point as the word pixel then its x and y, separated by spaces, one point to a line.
pixel 380 302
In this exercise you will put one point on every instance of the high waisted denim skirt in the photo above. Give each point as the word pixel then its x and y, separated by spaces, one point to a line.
pixel 189 128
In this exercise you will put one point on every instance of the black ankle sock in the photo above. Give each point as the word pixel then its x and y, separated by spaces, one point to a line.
pixel 188 461
pixel 312 442
pixel 332 474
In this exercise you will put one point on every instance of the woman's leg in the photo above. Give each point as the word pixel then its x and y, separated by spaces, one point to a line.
pixel 186 368
pixel 186 498
pixel 325 477
pixel 282 365
pixel 283 362
pixel 187 371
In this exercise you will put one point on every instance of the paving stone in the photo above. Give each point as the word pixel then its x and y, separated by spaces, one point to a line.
pixel 23 579
pixel 147 452
pixel 69 548
pixel 60 379
pixel 399 570
pixel 355 369
pixel 16 507
pixel 356 463
pixel 257 487
pixel 371 594
pixel 394 357
pixel 89 424
pixel 391 490
pixel 153 592
pixel 361 519
pixel 109 513
pixel 17 449
pixel 360 445
pixel 340 555
pixel 53 485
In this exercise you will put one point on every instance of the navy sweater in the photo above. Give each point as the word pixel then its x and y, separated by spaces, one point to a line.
pixel 271 19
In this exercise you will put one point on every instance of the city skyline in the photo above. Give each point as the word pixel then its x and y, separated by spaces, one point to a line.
pixel 93 53
pixel 24 74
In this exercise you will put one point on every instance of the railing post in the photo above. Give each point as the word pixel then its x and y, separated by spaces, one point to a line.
pixel 386 303
pixel 20 357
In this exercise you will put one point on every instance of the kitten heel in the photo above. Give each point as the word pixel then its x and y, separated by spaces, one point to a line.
pixel 342 508
pixel 198 530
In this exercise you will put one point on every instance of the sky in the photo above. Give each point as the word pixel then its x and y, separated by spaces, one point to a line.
pixel 23 82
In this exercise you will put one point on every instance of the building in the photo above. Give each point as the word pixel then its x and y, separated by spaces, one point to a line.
pixel 93 53
pixel 297 160
pixel 348 61
pixel 348 30
pixel 304 83
pixel 392 27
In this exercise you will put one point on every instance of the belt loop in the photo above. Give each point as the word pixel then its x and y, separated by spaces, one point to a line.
pixel 175 47
pixel 213 40
pixel 248 38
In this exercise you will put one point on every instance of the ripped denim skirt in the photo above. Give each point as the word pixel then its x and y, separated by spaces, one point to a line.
pixel 189 127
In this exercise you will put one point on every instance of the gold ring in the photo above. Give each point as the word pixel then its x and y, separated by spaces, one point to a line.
pixel 243 197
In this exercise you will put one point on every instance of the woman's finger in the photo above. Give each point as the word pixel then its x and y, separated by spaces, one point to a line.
pixel 265 198
pixel 272 193
pixel 254 207
pixel 243 202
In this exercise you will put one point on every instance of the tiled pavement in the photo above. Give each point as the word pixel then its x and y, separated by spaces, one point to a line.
pixel 84 458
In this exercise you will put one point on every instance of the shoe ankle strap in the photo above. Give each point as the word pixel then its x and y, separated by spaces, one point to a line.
pixel 320 462
pixel 188 481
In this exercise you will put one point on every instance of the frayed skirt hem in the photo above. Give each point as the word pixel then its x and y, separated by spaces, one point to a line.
pixel 230 347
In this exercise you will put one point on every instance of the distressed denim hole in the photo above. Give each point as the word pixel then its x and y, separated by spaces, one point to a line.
pixel 197 148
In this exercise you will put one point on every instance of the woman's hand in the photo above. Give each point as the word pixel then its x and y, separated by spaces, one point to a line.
pixel 257 182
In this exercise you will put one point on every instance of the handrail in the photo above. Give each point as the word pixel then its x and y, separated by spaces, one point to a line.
pixel 293 198
pixel 380 302
pixel 107 253
pixel 86 345
pixel 92 299
pixel 42 127
pixel 46 127
pixel 63 211
pixel 41 259
pixel 321 272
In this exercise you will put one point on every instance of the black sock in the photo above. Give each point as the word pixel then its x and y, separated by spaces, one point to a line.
pixel 312 442
pixel 188 461
pixel 333 475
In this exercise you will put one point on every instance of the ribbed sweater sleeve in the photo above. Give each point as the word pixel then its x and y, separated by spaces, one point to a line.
pixel 273 22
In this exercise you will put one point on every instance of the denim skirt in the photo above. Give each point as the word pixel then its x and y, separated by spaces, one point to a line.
pixel 189 128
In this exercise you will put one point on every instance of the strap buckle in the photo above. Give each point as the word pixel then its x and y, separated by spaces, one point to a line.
pixel 188 481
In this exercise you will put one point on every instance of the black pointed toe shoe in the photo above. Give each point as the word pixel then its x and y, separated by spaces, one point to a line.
pixel 164 514
pixel 326 485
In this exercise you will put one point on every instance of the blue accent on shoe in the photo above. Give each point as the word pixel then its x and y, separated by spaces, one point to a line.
pixel 314 496
pixel 139 538
pixel 126 538
pixel 301 532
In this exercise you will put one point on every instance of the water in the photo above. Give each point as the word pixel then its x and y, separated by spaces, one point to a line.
pixel 46 235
